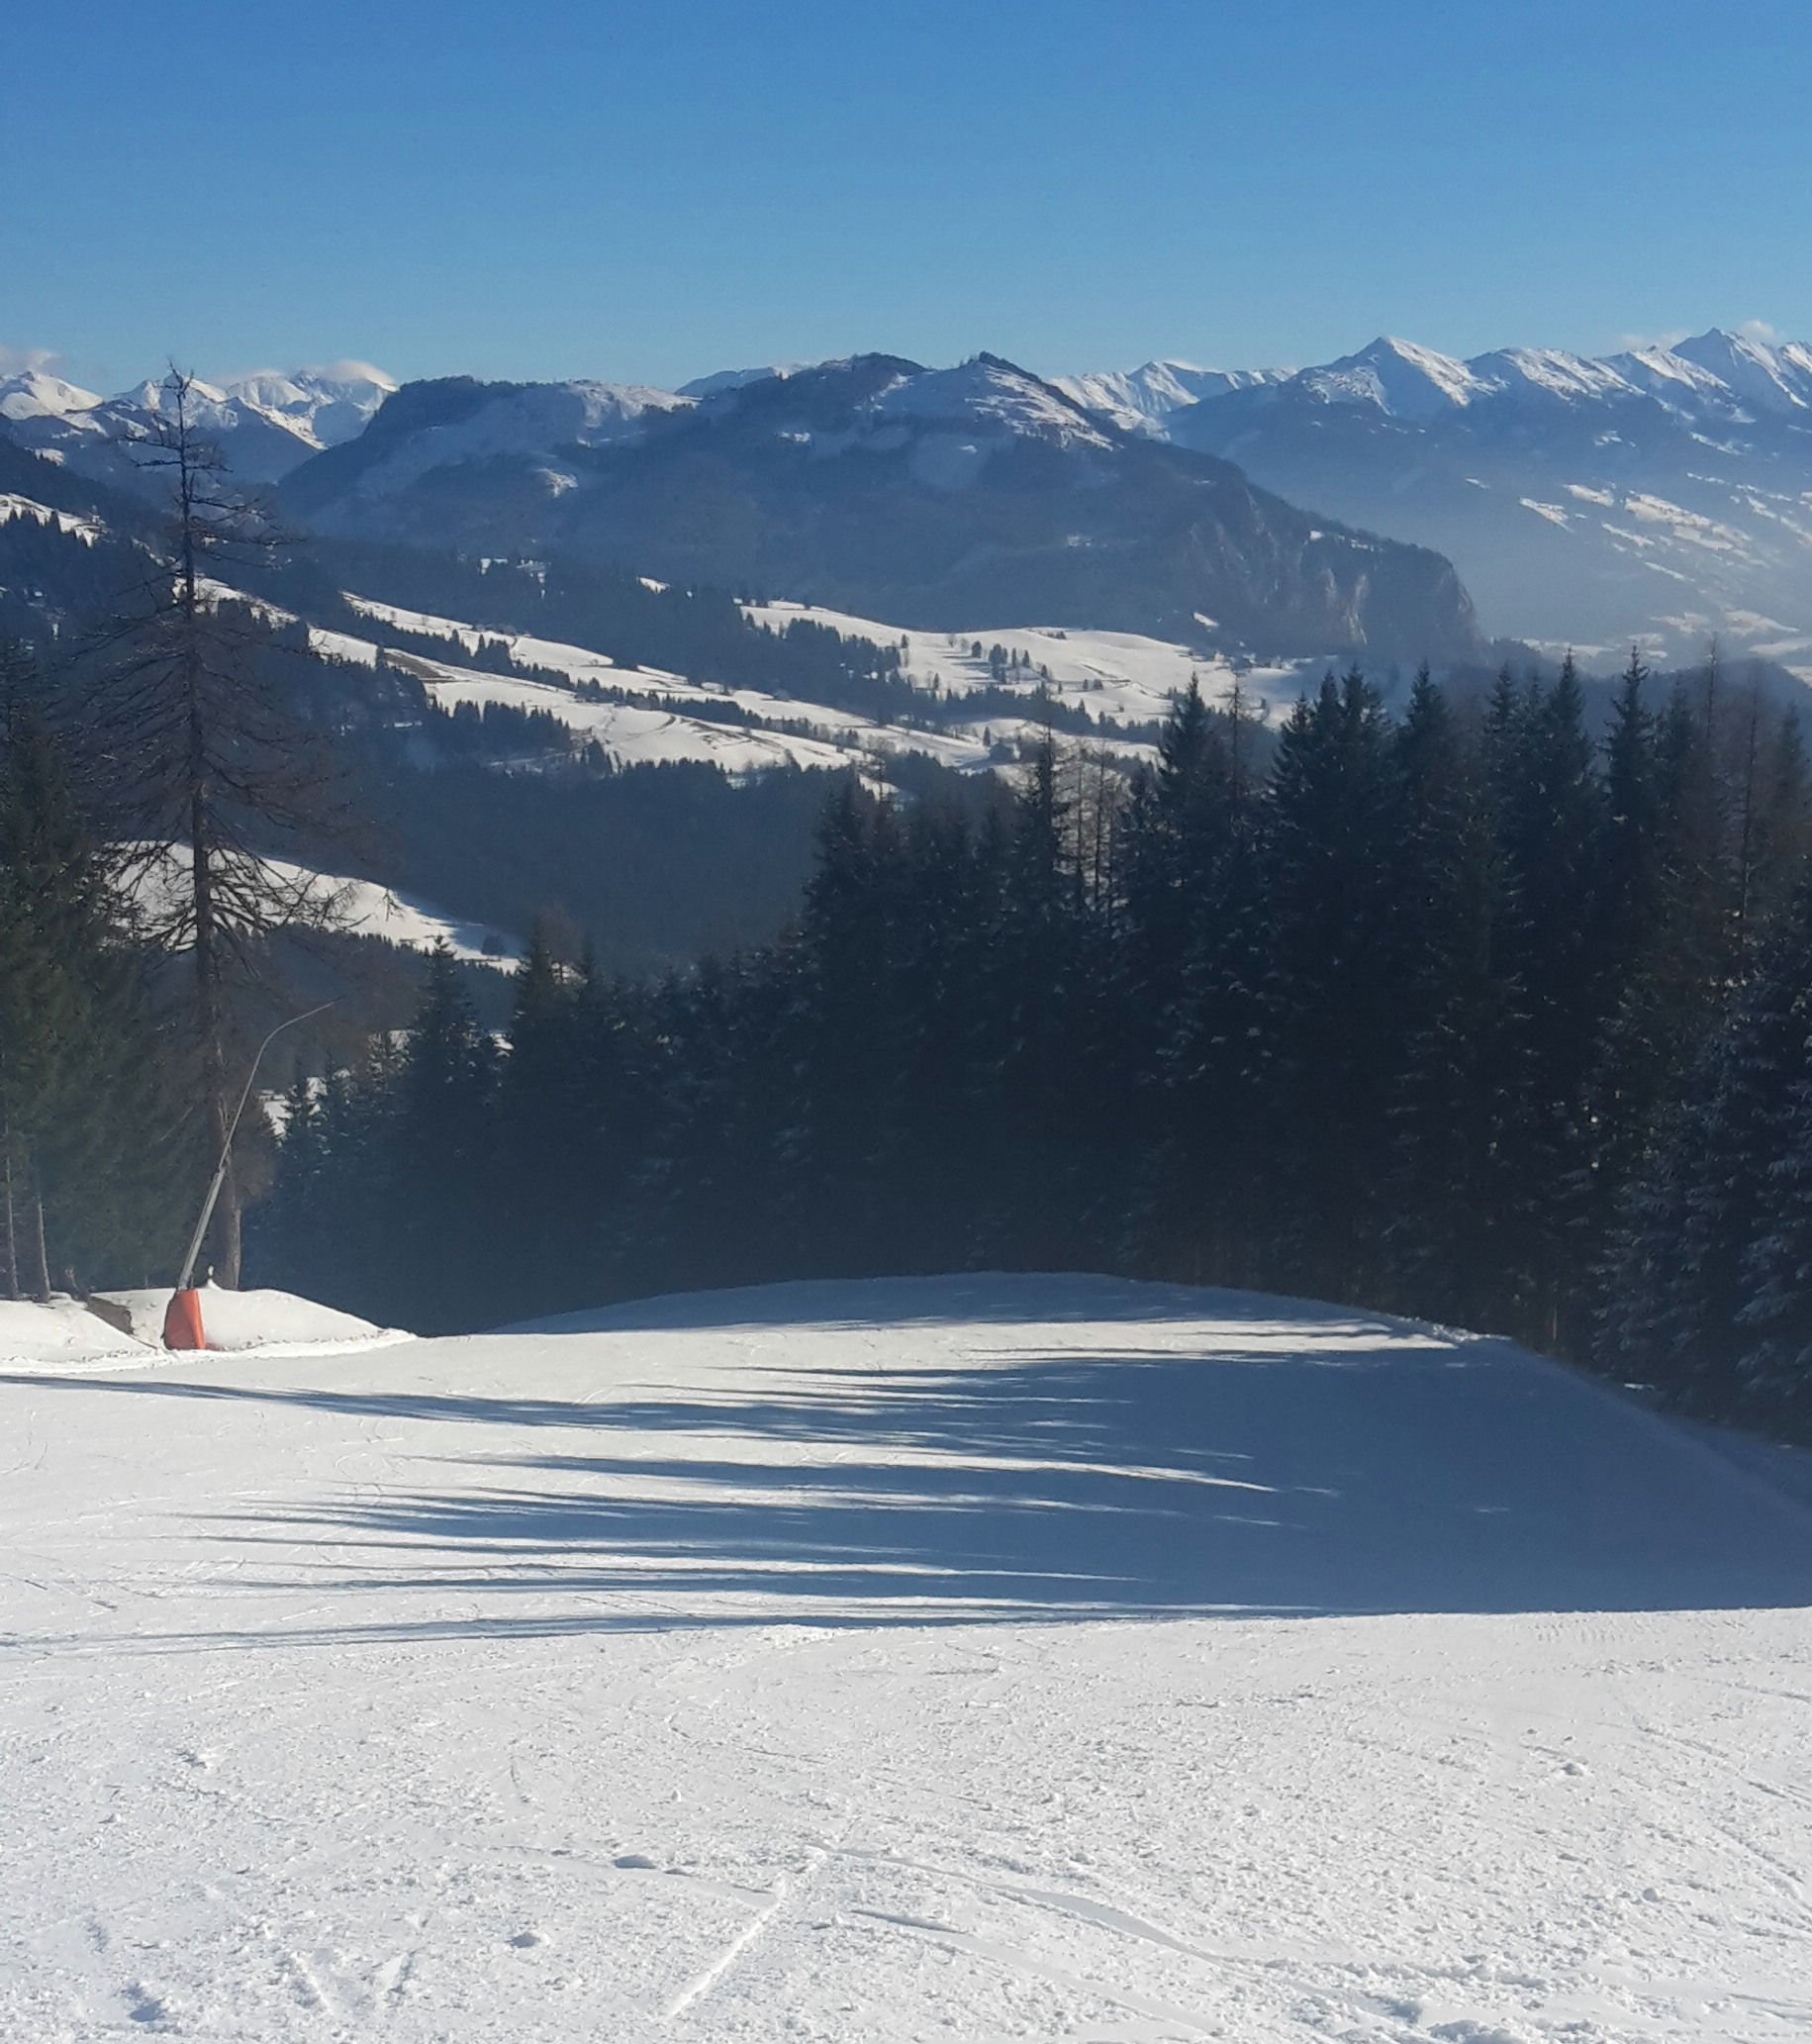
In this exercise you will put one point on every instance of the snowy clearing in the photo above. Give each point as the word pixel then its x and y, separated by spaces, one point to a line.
pixel 974 1658
pixel 333 901
pixel 1120 675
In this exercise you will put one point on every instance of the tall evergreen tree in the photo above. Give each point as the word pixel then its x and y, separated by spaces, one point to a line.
pixel 85 1142
pixel 1550 805
pixel 1457 1240
pixel 1684 1264
pixel 449 1220
pixel 1329 988
pixel 1192 963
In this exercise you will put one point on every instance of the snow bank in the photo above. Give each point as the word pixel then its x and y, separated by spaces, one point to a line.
pixel 61 1336
pixel 274 1323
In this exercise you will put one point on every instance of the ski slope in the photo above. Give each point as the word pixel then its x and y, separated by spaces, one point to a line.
pixel 974 1658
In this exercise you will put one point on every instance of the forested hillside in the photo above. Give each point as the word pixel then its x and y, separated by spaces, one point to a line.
pixel 1399 1018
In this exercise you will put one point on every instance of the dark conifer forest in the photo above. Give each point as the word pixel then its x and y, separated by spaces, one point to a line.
pixel 1471 1013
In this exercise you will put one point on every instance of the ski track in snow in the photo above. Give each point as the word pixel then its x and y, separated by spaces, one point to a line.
pixel 854 1662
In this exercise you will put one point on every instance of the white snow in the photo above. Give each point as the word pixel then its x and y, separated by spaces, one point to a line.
pixel 1553 371
pixel 990 395
pixel 577 662
pixel 123 1330
pixel 342 646
pixel 324 405
pixel 1738 401
pixel 1398 377
pixel 36 394
pixel 634 735
pixel 60 1334
pixel 1122 675
pixel 12 506
pixel 1140 400
pixel 972 1658
pixel 272 1323
pixel 369 908
pixel 528 419
pixel 338 901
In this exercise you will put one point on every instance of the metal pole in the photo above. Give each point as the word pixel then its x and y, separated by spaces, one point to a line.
pixel 219 1170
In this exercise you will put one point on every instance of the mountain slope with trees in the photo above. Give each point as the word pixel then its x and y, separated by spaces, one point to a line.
pixel 932 498
pixel 1398 1018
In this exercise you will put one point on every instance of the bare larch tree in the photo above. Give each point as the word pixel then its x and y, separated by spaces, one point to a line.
pixel 210 773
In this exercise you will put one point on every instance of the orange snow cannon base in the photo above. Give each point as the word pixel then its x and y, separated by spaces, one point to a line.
pixel 182 1322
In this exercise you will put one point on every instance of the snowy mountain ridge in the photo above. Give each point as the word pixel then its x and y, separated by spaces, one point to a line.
pixel 1659 495
pixel 877 486
pixel 1728 375
pixel 266 422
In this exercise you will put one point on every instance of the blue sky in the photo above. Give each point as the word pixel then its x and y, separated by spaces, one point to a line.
pixel 647 193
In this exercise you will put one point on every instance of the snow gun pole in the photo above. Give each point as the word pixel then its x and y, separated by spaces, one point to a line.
pixel 183 1283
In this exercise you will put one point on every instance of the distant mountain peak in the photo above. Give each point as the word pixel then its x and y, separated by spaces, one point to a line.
pixel 992 394
pixel 722 380
pixel 323 404
pixel 1399 377
pixel 1659 493
pixel 36 394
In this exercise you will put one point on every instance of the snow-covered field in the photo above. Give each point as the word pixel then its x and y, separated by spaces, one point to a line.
pixel 357 907
pixel 1120 675
pixel 965 1659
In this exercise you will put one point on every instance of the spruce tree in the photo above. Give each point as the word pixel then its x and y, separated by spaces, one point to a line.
pixel 1329 986
pixel 1707 1231
pixel 1456 1247
pixel 1550 805
pixel 441 1140
pixel 1192 956
pixel 87 1144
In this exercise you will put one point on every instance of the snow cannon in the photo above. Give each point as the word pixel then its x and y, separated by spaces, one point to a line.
pixel 182 1327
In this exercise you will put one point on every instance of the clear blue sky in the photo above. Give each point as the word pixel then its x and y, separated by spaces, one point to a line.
pixel 578 187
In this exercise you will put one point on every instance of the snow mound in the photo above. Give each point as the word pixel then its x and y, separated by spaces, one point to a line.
pixel 62 1335
pixel 276 1324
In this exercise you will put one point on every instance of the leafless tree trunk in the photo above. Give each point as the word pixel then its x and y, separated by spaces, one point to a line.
pixel 40 1263
pixel 9 1246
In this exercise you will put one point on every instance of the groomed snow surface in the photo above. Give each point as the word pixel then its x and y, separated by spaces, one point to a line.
pixel 974 1658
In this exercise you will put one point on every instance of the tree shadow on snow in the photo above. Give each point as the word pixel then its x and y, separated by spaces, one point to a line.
pixel 1347 1476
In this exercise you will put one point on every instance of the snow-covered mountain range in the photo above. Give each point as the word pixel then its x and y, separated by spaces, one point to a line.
pixel 266 423
pixel 928 497
pixel 1662 494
